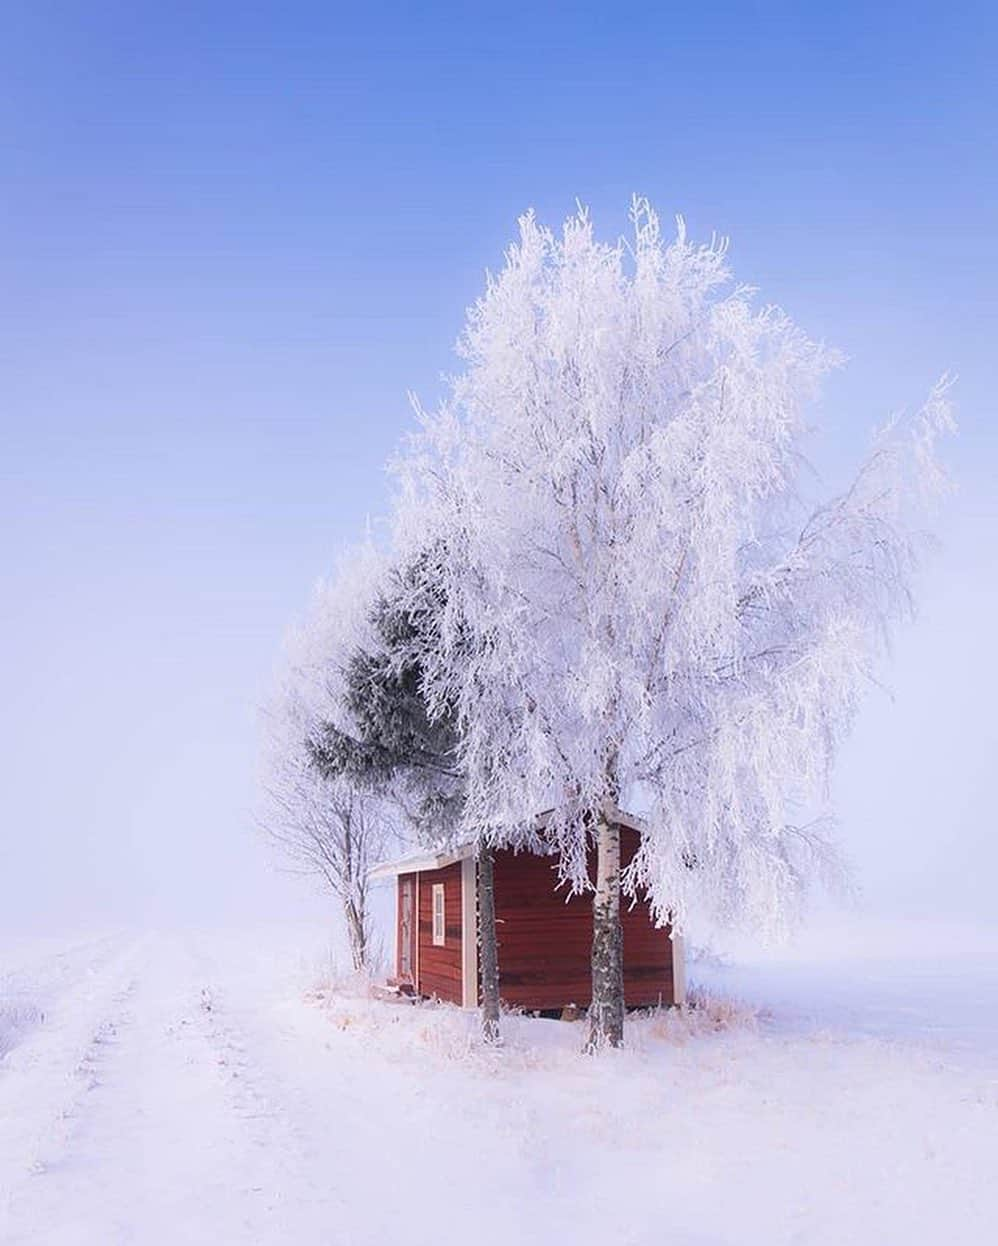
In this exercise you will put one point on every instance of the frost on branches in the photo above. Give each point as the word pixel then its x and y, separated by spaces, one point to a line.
pixel 325 825
pixel 639 608
pixel 394 742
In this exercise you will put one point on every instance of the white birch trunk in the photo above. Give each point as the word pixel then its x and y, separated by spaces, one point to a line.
pixel 356 920
pixel 488 948
pixel 606 1011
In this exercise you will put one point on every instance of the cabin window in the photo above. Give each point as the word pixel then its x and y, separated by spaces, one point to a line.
pixel 439 916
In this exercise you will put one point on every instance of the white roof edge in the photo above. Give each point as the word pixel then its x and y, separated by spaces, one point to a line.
pixel 613 813
pixel 632 820
pixel 451 856
pixel 419 864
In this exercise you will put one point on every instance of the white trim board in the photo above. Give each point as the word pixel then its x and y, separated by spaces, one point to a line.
pixel 469 933
pixel 678 969
pixel 416 981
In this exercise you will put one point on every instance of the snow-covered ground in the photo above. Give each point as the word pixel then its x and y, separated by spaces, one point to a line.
pixel 213 1088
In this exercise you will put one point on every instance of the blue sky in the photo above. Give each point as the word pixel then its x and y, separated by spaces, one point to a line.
pixel 234 236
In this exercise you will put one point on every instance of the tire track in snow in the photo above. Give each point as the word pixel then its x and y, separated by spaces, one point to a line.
pixel 31 992
pixel 175 1136
pixel 288 1182
pixel 45 1081
pixel 291 1177
pixel 374 1129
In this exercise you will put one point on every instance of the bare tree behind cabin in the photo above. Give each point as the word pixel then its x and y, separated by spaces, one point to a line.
pixel 325 825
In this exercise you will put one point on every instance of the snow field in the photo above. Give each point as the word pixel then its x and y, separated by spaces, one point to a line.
pixel 207 1088
pixel 744 1132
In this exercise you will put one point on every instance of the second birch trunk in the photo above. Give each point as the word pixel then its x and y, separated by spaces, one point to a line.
pixel 488 949
pixel 356 922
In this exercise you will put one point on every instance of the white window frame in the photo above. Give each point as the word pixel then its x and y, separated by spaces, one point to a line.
pixel 439 915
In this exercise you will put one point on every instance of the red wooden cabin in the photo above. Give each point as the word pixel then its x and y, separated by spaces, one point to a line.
pixel 545 939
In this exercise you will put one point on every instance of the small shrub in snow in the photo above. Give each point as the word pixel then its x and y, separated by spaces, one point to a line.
pixel 17 1018
pixel 332 979
pixel 702 1015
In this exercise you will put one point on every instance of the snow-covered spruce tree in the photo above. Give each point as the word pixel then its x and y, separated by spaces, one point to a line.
pixel 328 826
pixel 392 743
pixel 646 610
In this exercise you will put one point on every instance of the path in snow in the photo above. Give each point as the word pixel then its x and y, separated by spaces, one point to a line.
pixel 177 1104
pixel 160 1132
pixel 36 975
pixel 183 1090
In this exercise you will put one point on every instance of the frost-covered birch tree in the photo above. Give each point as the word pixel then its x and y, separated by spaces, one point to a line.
pixel 642 606
pixel 325 825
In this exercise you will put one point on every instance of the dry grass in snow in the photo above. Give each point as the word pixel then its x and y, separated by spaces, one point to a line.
pixel 444 1034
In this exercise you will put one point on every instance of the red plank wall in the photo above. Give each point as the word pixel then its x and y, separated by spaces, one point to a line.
pixel 440 967
pixel 545 942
